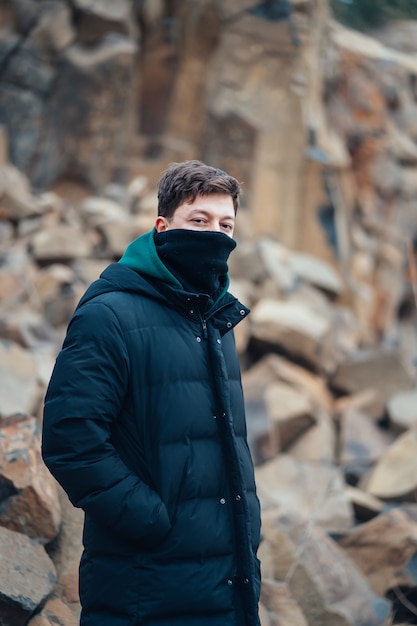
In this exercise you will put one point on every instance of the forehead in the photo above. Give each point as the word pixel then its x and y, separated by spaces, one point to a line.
pixel 215 203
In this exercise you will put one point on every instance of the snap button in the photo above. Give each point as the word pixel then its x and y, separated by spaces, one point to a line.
pixel 198 339
pixel 246 580
pixel 230 582
pixel 222 501
pixel 191 311
pixel 218 340
pixel 238 497
pixel 242 312
pixel 215 417
pixel 229 324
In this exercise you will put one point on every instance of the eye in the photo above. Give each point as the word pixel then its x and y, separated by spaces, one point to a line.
pixel 227 226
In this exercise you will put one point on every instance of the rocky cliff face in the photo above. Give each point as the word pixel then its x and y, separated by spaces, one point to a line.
pixel 319 123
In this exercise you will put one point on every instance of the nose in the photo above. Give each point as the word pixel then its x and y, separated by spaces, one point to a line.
pixel 215 226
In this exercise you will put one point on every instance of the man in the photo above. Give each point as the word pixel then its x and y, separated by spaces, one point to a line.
pixel 144 423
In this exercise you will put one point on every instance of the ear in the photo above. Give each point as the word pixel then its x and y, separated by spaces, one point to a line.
pixel 161 224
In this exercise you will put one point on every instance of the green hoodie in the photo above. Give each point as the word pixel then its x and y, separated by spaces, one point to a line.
pixel 141 255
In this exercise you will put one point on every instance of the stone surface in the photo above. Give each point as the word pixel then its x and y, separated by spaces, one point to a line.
pixel 281 607
pixel 289 411
pixel 27 577
pixel 29 503
pixel 382 550
pixel 322 135
pixel 394 476
pixel 295 328
pixel 54 612
pixel 305 491
pixel 328 587
pixel 378 369
pixel 402 410
pixel 362 443
pixel 18 384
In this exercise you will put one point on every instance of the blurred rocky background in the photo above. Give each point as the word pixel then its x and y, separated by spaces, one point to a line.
pixel 318 117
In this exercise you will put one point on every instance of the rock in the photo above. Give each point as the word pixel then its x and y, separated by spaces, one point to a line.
pixel 115 236
pixel 54 612
pixel 21 111
pixel 27 577
pixel 88 270
pixel 394 476
pixel 317 272
pixel 16 199
pixel 87 130
pixel 53 280
pixel 289 411
pixel 318 443
pixel 30 504
pixel 402 410
pixel 382 550
pixel 246 263
pixel 295 328
pixel 18 384
pixel 366 507
pixel 28 329
pixel 61 243
pixel 305 491
pixel 54 30
pixel 280 605
pixel 278 263
pixel 328 587
pixel 100 18
pixel 96 210
pixel 377 369
pixel 270 370
pixel 362 443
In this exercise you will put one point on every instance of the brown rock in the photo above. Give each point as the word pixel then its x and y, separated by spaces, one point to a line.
pixel 16 199
pixel 54 612
pixel 328 587
pixel 28 329
pixel 294 327
pixel 30 503
pixel 382 548
pixel 289 411
pixel 394 476
pixel 305 491
pixel 281 606
pixel 27 577
pixel 60 243
pixel 378 369
pixel 318 443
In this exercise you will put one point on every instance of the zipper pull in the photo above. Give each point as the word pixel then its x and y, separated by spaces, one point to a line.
pixel 204 327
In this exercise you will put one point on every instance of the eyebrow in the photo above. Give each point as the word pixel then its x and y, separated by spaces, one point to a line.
pixel 207 214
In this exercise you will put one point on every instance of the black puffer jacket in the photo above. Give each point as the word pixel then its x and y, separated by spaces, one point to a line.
pixel 144 428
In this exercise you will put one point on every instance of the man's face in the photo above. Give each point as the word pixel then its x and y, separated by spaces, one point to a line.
pixel 213 212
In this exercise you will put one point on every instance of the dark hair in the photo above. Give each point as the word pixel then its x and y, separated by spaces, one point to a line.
pixel 182 182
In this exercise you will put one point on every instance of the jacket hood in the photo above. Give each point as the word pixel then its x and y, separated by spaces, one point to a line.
pixel 139 263
pixel 140 270
pixel 141 256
